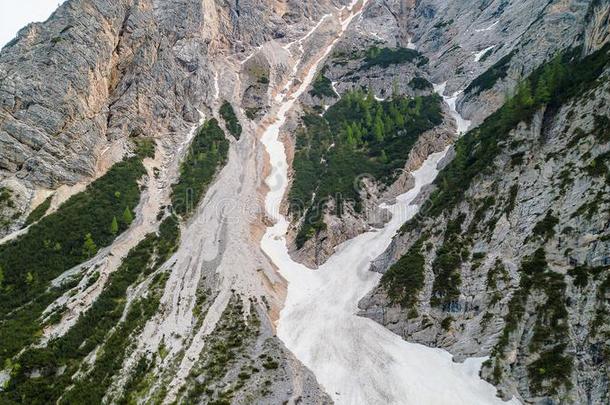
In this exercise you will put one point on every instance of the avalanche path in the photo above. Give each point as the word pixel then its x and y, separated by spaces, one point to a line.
pixel 355 359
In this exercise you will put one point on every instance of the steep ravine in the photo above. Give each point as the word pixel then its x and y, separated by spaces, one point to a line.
pixel 353 358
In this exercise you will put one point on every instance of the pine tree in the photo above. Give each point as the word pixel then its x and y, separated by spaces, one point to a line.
pixel 368 119
pixel 1 277
pixel 127 217
pixel 349 133
pixel 418 106
pixel 378 129
pixel 114 226
pixel 543 92
pixel 509 109
pixel 89 246
pixel 525 94
pixel 388 124
pixel 379 111
pixel 555 73
pixel 383 158
pixel 357 130
pixel 351 141
pixel 397 116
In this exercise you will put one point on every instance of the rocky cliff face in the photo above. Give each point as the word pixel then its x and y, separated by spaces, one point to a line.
pixel 76 88
pixel 466 39
pixel 515 267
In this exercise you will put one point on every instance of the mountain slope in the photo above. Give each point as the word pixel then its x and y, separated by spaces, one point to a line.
pixel 134 190
pixel 510 254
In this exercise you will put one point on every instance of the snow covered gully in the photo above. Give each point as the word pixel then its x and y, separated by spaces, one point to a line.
pixel 355 359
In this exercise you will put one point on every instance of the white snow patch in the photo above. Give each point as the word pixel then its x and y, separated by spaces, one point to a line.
pixel 479 55
pixel 461 123
pixel 332 84
pixel 488 28
pixel 410 44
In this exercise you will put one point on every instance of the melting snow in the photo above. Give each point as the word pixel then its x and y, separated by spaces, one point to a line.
pixel 479 55
pixel 488 28
pixel 357 360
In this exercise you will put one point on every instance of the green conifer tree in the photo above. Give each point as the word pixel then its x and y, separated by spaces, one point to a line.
pixel 89 246
pixel 543 92
pixel 378 130
pixel 525 94
pixel 127 216
pixel 114 226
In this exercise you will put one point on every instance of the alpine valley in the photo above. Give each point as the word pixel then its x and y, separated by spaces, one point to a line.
pixel 306 202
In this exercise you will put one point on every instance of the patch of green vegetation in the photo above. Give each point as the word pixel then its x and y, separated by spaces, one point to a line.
pixel 578 135
pixel 591 208
pixel 490 77
pixel 565 178
pixel 100 326
pixel 552 85
pixel 601 127
pixel 446 323
pixel 419 83
pixel 207 153
pixel 550 328
pixel 39 211
pixel 144 147
pixel 139 382
pixel 446 265
pixel 322 87
pixel 600 321
pixel 545 228
pixel 356 135
pixel 405 279
pixel 56 243
pixel 224 346
pixel 580 274
pixel 443 24
pixel 599 167
pixel 252 112
pixel 259 73
pixel 495 274
pixel 7 207
pixel 516 159
pixel 231 122
pixel 5 197
pixel 554 366
pixel 385 57
pixel 484 205
pixel 270 364
pixel 516 307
